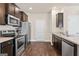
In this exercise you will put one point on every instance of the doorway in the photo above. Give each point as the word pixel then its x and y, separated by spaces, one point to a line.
pixel 40 28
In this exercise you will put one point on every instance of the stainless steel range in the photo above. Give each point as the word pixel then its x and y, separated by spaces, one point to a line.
pixel 19 44
pixel 19 40
pixel 8 33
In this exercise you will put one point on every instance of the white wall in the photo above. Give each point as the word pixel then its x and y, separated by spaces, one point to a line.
pixel 33 17
pixel 72 14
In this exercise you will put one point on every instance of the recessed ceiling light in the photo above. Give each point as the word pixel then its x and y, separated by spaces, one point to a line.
pixel 30 8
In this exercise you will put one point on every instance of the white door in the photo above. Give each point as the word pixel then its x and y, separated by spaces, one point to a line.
pixel 40 27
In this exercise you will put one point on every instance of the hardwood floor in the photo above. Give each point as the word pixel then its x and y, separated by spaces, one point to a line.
pixel 40 49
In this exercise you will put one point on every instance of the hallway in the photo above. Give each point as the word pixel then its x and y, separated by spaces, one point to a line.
pixel 40 49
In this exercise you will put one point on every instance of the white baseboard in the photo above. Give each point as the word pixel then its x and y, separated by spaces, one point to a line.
pixel 39 40
pixel 42 41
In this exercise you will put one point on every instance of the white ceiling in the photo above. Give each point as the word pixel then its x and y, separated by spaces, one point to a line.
pixel 41 7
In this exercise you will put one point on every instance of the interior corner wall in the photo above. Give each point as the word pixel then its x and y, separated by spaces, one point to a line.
pixel 67 10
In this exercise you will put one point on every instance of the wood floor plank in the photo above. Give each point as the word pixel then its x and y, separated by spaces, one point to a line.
pixel 40 49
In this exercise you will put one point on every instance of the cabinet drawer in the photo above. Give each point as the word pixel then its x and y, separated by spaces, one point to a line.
pixel 6 43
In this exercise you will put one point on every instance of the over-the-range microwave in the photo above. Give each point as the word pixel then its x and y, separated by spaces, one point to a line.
pixel 12 20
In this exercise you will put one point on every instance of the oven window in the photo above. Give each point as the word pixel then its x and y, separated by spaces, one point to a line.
pixel 20 42
pixel 14 21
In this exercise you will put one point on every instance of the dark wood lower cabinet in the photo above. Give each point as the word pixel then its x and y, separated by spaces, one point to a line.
pixel 64 46
pixel 57 41
pixel 7 48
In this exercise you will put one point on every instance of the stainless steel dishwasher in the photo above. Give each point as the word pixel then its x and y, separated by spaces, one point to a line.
pixel 69 48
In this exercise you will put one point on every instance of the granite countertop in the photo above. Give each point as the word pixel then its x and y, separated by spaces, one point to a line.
pixel 73 39
pixel 3 39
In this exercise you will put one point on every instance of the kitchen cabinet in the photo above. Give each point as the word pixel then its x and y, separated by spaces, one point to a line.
pixel 17 12
pixel 57 42
pixel 11 9
pixel 8 8
pixel 54 41
pixel 65 47
pixel 2 13
pixel 24 17
pixel 7 48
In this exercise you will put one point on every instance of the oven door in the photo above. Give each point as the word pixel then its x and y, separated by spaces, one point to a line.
pixel 20 43
pixel 13 20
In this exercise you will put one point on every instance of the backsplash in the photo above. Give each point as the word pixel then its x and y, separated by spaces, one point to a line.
pixel 6 27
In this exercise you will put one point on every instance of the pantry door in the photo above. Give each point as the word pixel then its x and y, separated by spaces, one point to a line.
pixel 40 28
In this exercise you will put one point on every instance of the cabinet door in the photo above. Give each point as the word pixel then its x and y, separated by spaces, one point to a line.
pixel 17 12
pixel 25 17
pixel 2 13
pixel 59 44
pixel 8 50
pixel 11 8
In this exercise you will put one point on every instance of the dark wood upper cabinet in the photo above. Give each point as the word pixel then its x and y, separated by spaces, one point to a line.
pixel 11 9
pixel 14 10
pixel 8 8
pixel 24 17
pixel 2 13
pixel 17 12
